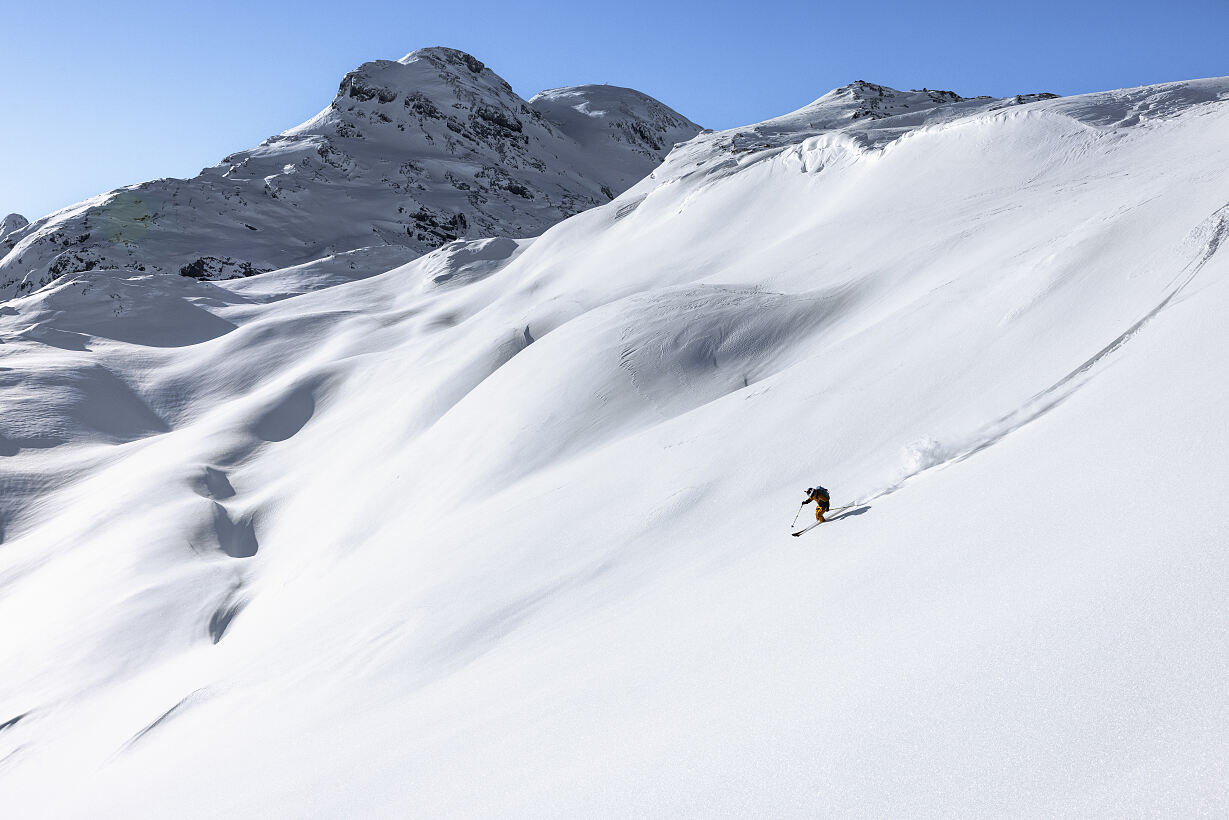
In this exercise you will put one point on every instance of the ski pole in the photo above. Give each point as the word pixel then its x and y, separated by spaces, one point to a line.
pixel 800 506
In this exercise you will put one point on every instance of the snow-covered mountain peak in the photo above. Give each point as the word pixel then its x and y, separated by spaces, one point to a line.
pixel 599 101
pixel 864 100
pixel 416 153
pixel 860 116
pixel 878 101
pixel 443 55
pixel 383 99
pixel 11 223
pixel 593 115
pixel 445 76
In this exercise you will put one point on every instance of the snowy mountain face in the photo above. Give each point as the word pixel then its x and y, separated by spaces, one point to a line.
pixel 410 154
pixel 11 223
pixel 504 530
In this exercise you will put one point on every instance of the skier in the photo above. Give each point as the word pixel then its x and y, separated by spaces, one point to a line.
pixel 822 501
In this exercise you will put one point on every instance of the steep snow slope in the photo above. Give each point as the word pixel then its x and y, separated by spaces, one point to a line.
pixel 412 154
pixel 502 531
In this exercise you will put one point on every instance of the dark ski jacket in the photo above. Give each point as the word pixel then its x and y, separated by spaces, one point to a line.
pixel 820 496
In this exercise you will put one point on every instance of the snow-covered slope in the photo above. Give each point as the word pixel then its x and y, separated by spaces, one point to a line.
pixel 503 531
pixel 411 154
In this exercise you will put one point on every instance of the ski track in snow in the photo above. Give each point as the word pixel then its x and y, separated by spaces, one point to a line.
pixel 929 455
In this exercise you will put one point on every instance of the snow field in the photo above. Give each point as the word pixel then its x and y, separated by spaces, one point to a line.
pixel 502 531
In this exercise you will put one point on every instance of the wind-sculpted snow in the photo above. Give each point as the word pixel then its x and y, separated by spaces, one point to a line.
pixel 412 153
pixel 501 529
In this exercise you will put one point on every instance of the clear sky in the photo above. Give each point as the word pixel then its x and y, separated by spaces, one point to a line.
pixel 98 95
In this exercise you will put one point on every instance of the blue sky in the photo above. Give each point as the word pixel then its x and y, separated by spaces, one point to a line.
pixel 102 95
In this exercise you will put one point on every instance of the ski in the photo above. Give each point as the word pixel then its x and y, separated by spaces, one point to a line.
pixel 817 523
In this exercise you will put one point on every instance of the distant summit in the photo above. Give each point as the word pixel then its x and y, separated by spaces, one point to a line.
pixel 862 99
pixel 861 115
pixel 878 101
pixel 410 154
pixel 12 222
